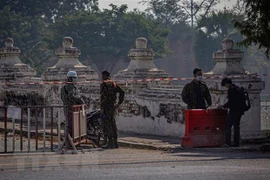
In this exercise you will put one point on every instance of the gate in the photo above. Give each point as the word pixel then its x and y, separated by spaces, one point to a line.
pixel 30 128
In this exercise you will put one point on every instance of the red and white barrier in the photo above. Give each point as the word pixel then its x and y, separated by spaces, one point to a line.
pixel 134 81
pixel 79 124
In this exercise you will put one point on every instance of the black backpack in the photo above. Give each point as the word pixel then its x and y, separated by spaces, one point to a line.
pixel 244 99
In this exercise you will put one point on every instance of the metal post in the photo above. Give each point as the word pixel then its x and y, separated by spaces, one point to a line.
pixel 72 124
pixel 51 129
pixel 21 133
pixel 29 129
pixel 36 124
pixel 79 119
pixel 5 129
pixel 266 115
pixel 84 114
pixel 66 128
pixel 13 134
pixel 44 127
pixel 59 128
pixel 191 12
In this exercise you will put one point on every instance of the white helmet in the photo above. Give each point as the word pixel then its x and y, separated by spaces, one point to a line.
pixel 72 74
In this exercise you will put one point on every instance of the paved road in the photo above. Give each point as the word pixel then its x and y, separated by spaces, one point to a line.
pixel 124 164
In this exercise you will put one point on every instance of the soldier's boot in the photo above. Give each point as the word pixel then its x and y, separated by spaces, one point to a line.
pixel 116 143
pixel 109 145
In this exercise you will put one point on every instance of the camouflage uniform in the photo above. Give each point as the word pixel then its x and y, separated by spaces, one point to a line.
pixel 190 96
pixel 108 91
pixel 69 98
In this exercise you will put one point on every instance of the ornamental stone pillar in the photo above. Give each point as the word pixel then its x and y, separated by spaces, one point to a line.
pixel 11 67
pixel 141 64
pixel 68 61
pixel 228 63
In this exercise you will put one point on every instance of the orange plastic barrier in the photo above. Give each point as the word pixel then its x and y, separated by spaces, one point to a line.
pixel 204 128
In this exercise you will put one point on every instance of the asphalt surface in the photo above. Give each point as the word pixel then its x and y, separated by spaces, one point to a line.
pixel 126 163
pixel 140 157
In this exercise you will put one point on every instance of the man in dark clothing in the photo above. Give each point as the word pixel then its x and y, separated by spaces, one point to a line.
pixel 196 92
pixel 69 98
pixel 235 112
pixel 108 96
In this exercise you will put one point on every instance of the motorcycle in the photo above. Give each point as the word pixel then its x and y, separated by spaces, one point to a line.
pixel 95 127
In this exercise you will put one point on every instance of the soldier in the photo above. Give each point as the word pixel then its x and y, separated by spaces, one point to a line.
pixel 108 91
pixel 196 92
pixel 69 98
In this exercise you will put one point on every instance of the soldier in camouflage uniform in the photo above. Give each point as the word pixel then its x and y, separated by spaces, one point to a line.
pixel 69 98
pixel 108 91
pixel 196 92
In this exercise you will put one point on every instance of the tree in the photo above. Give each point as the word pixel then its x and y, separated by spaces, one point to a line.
pixel 49 9
pixel 255 60
pixel 175 11
pixel 105 37
pixel 199 8
pixel 256 26
pixel 28 22
pixel 212 29
pixel 166 11
pixel 27 35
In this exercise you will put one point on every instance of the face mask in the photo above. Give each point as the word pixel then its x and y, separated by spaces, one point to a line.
pixel 199 78
pixel 74 79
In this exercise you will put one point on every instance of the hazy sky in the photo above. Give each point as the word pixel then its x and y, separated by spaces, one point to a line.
pixel 134 3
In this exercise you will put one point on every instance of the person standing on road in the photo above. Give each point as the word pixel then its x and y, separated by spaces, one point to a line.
pixel 235 112
pixel 196 93
pixel 108 96
pixel 69 98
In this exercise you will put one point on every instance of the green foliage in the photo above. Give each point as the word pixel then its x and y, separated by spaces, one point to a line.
pixel 255 61
pixel 27 35
pixel 105 37
pixel 49 9
pixel 256 26
pixel 26 21
pixel 212 29
pixel 174 11
pixel 13 25
pixel 166 11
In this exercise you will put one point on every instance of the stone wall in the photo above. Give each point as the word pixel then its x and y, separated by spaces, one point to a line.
pixel 154 108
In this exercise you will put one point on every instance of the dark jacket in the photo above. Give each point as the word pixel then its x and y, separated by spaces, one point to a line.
pixel 191 92
pixel 233 97
pixel 108 94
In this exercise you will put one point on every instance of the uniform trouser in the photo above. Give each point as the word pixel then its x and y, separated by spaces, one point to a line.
pixel 233 119
pixel 110 129
pixel 68 113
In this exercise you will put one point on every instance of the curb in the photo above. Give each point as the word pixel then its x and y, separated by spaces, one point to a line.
pixel 263 148
pixel 146 146
pixel 171 148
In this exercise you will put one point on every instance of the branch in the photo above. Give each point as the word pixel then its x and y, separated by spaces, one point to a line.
pixel 196 18
pixel 186 10
pixel 208 8
pixel 199 8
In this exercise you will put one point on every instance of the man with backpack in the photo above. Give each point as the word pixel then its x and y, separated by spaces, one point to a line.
pixel 237 105
pixel 108 91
